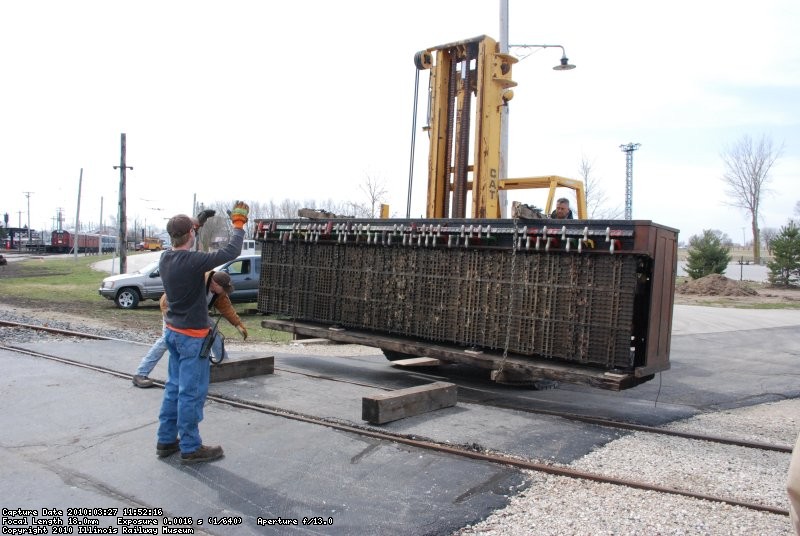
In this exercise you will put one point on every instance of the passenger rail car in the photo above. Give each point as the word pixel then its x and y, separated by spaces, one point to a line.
pixel 64 242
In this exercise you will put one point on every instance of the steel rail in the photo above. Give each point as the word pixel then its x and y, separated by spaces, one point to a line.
pixel 645 428
pixel 55 330
pixel 494 457
pixel 433 446
pixel 610 423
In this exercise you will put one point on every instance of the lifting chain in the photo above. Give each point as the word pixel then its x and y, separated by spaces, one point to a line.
pixel 514 247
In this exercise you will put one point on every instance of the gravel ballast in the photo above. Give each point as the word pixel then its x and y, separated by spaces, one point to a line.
pixel 562 505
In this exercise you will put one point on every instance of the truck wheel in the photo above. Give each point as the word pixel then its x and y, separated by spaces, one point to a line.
pixel 391 355
pixel 127 298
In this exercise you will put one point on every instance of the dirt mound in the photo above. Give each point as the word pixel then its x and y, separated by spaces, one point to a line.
pixel 715 285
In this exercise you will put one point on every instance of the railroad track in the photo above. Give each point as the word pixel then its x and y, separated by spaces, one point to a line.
pixel 464 396
pixel 465 451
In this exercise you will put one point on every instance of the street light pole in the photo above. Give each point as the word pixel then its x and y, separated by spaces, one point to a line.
pixel 77 240
pixel 19 226
pixel 503 164
pixel 28 195
pixel 504 116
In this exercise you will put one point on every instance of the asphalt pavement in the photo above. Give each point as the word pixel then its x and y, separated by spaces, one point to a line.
pixel 76 440
pixel 133 261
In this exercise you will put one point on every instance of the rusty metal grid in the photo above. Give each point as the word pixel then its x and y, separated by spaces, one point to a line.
pixel 572 307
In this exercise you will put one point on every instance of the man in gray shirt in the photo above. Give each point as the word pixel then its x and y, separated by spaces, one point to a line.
pixel 187 324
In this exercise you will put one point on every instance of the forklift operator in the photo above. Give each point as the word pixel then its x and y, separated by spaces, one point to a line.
pixel 562 211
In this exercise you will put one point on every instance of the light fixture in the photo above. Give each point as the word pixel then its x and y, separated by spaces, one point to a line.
pixel 565 65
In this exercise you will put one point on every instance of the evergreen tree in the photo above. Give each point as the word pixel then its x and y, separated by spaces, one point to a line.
pixel 784 269
pixel 707 254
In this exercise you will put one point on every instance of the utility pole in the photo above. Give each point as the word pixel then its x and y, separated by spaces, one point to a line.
pixel 628 150
pixel 123 226
pixel 19 227
pixel 76 244
pixel 196 210
pixel 28 195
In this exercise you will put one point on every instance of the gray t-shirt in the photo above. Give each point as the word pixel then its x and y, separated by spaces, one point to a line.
pixel 183 274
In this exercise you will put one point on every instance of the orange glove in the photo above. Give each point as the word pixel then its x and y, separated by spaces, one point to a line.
pixel 242 330
pixel 239 214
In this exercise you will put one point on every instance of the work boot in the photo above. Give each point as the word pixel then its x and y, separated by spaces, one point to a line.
pixel 203 454
pixel 142 381
pixel 165 449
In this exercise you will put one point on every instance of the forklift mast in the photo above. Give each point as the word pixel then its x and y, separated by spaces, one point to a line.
pixel 460 72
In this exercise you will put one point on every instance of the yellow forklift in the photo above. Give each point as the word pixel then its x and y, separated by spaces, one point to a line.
pixel 460 73
pixel 579 300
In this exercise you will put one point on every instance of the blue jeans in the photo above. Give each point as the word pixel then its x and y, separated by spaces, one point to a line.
pixel 156 352
pixel 184 393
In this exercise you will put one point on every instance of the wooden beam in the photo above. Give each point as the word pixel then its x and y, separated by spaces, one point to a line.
pixel 417 362
pixel 532 366
pixel 304 339
pixel 386 407
pixel 242 368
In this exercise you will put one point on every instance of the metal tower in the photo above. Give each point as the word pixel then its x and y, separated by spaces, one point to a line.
pixel 628 150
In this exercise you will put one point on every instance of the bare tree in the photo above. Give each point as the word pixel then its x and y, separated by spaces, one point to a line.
pixel 216 230
pixel 358 210
pixel 376 193
pixel 768 235
pixel 270 209
pixel 288 208
pixel 747 167
pixel 258 210
pixel 596 197
pixel 348 209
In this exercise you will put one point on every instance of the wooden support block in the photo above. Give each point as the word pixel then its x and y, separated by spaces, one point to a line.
pixel 310 340
pixel 417 362
pixel 511 377
pixel 242 368
pixel 300 336
pixel 391 406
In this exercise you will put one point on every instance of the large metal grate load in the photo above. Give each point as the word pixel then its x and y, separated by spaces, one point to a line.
pixel 580 293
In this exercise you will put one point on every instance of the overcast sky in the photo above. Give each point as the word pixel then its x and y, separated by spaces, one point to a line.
pixel 260 100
